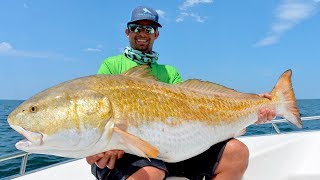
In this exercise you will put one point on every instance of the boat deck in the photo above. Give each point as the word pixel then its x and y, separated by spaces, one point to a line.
pixel 284 156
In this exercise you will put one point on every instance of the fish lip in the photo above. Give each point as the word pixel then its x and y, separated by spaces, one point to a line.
pixel 23 144
pixel 32 138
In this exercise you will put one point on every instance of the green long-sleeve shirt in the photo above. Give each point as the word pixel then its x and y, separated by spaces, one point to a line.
pixel 119 64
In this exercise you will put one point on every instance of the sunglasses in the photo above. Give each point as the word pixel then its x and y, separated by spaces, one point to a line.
pixel 136 28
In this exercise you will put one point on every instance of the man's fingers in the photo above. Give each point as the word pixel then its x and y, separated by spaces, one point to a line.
pixel 104 159
pixel 102 163
pixel 120 153
pixel 262 116
pixel 266 95
pixel 271 115
pixel 90 160
pixel 94 158
pixel 265 114
pixel 112 161
pixel 109 159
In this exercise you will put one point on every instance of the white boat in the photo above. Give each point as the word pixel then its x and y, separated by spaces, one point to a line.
pixel 284 156
pixel 291 156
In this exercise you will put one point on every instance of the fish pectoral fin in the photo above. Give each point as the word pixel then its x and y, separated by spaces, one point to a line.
pixel 137 145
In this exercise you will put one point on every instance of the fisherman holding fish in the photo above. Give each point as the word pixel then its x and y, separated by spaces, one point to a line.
pixel 225 160
pixel 166 126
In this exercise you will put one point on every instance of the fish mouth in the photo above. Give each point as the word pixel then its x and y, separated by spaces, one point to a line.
pixel 32 138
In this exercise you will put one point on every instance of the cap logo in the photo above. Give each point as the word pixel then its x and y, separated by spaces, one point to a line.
pixel 145 13
pixel 145 10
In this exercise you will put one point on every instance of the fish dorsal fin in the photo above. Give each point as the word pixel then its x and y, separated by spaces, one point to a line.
pixel 142 71
pixel 137 145
pixel 209 87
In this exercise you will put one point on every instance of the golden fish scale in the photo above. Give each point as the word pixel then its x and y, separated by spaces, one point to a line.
pixel 136 99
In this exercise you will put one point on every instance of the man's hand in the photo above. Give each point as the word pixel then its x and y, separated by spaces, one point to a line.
pixel 105 159
pixel 266 114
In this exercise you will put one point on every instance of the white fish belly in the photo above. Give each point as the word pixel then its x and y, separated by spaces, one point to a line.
pixel 177 143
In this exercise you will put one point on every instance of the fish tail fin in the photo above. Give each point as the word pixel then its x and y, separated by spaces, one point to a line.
pixel 283 91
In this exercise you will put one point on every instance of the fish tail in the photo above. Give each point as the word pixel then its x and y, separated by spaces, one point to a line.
pixel 288 108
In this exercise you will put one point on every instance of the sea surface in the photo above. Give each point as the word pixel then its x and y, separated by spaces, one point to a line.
pixel 8 137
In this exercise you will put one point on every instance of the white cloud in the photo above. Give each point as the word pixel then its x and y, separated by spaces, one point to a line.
pixel 92 50
pixel 281 27
pixel 181 16
pixel 97 49
pixel 287 15
pixel 8 50
pixel 5 47
pixel 198 18
pixel 161 13
pixel 190 3
pixel 187 4
pixel 293 11
pixel 268 41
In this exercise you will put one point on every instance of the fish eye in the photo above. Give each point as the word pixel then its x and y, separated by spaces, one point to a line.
pixel 33 109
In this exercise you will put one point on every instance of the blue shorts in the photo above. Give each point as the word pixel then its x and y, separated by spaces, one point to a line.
pixel 197 167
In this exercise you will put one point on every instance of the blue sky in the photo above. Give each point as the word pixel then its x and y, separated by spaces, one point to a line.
pixel 245 45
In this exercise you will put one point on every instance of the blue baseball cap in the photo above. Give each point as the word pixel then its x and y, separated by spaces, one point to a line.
pixel 144 13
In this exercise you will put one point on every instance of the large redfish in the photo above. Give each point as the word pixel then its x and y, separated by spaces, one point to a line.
pixel 142 116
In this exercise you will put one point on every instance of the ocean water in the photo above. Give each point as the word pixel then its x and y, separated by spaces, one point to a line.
pixel 8 137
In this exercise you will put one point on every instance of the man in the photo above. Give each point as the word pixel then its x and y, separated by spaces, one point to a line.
pixel 225 160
